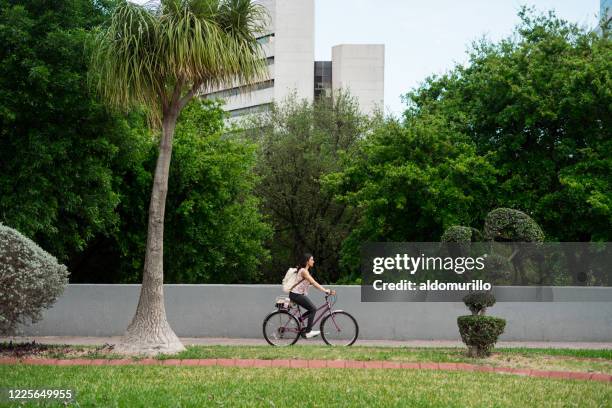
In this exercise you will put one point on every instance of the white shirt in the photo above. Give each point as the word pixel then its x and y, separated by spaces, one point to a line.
pixel 302 287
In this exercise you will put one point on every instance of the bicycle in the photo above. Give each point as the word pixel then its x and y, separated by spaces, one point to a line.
pixel 285 326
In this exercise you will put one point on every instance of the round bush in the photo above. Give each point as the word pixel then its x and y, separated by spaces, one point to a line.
pixel 457 240
pixel 480 333
pixel 506 224
pixel 478 302
pixel 459 233
pixel 30 280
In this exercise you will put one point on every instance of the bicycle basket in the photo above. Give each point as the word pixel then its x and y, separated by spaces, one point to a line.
pixel 282 302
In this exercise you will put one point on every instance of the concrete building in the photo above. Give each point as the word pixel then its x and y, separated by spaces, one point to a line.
pixel 288 45
pixel 360 69
pixel 605 13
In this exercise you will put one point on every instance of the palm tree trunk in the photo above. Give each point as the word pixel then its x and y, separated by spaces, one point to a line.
pixel 149 331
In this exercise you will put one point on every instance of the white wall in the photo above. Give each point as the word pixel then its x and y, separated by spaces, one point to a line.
pixel 239 310
pixel 253 98
pixel 294 49
pixel 360 69
pixel 292 46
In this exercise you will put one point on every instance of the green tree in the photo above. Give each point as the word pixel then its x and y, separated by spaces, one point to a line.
pixel 541 103
pixel 215 230
pixel 159 56
pixel 213 227
pixel 300 143
pixel 105 257
pixel 61 152
pixel 411 181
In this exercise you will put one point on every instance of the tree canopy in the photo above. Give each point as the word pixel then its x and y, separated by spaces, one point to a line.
pixel 524 124
pixel 76 176
pixel 214 228
pixel 300 143
pixel 62 153
pixel 411 181
pixel 539 104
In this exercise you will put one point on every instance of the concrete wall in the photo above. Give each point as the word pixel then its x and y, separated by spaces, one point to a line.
pixel 238 311
pixel 361 70
pixel 605 15
pixel 294 49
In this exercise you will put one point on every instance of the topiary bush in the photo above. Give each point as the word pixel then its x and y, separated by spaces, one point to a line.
pixel 459 233
pixel 480 333
pixel 509 225
pixel 457 240
pixel 478 302
pixel 30 280
pixel 512 226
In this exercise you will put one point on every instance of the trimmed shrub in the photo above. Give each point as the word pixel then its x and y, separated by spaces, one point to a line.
pixel 480 333
pixel 458 239
pixel 478 302
pixel 507 224
pixel 477 331
pixel 459 233
pixel 30 280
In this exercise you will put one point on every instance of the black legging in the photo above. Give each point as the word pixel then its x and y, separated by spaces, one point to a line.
pixel 307 304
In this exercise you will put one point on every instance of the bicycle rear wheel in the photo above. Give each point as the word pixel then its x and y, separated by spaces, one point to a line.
pixel 281 328
pixel 339 329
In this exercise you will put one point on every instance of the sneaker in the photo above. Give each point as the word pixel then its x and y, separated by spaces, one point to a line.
pixel 312 333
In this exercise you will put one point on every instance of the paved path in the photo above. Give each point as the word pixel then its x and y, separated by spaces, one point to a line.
pixel 211 341
pixel 568 375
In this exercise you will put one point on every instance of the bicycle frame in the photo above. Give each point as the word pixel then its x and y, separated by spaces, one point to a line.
pixel 297 313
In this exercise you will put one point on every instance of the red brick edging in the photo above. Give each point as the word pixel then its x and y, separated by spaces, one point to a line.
pixel 316 364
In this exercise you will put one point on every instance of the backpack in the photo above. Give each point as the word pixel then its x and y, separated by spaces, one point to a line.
pixel 290 280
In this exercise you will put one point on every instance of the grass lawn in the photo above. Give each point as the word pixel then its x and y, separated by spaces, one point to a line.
pixel 544 359
pixel 569 360
pixel 172 386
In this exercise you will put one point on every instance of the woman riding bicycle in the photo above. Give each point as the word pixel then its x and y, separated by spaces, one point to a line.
pixel 299 293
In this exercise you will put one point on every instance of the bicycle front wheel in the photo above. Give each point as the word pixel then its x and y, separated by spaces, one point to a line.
pixel 281 328
pixel 339 329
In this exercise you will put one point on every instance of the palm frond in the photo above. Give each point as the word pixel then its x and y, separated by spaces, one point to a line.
pixel 145 52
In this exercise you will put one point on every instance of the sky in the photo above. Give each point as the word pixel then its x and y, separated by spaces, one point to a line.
pixel 422 38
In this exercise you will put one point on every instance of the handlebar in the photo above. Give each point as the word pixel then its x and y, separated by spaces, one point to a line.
pixel 331 299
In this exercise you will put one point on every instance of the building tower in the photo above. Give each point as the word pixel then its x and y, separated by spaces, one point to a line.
pixel 605 13
pixel 288 45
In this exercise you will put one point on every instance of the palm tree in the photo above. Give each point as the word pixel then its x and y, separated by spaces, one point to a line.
pixel 157 56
